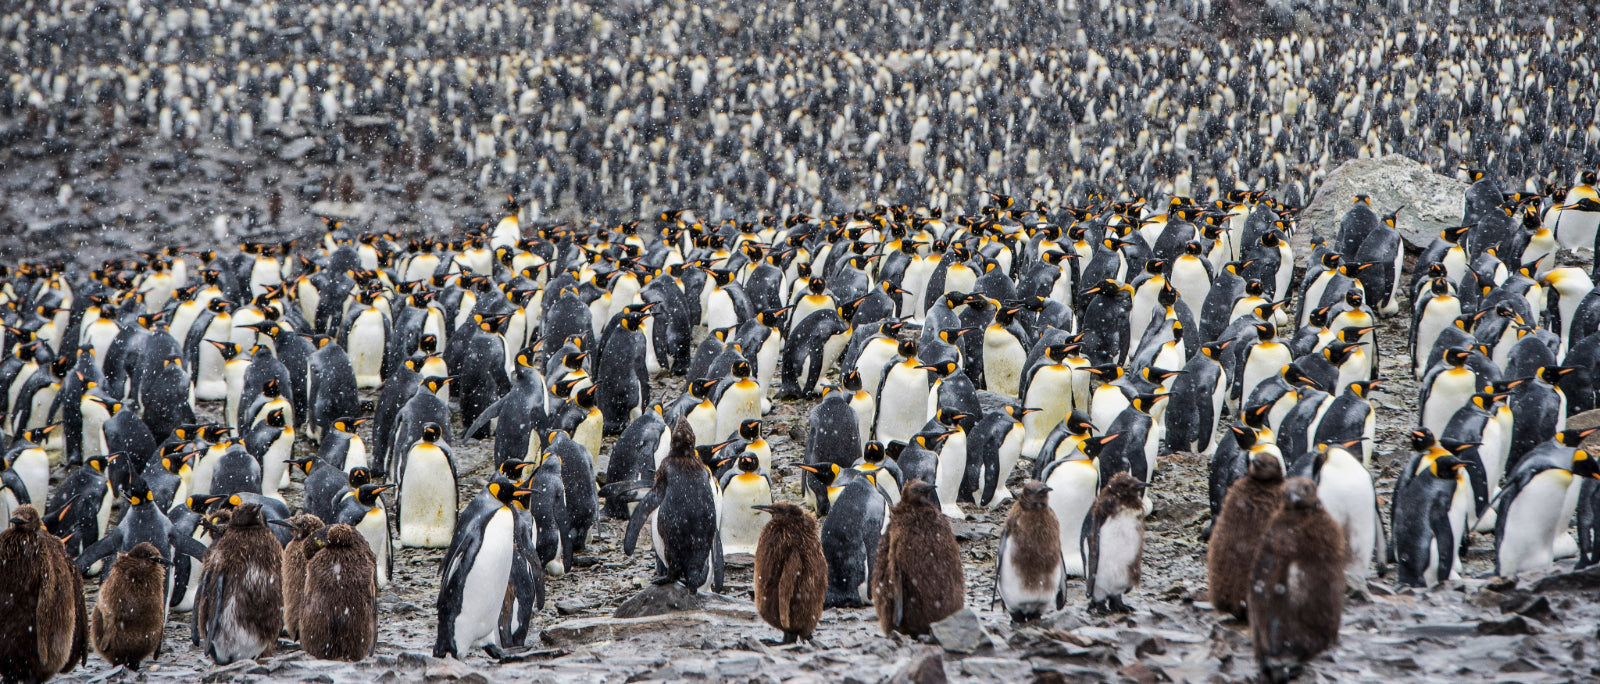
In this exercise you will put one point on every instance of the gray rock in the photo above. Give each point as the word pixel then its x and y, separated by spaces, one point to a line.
pixel 661 599
pixel 739 666
pixel 926 667
pixel 297 149
pixel 571 607
pixel 1431 201
pixel 961 632
pixel 996 669
pixel 1586 579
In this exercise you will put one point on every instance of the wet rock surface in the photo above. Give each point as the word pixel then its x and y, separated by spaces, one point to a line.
pixel 1428 202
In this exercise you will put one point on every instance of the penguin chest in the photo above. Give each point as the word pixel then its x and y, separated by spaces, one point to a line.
pixel 865 406
pixel 1345 489
pixel 703 420
pixel 741 525
pixel 427 498
pixel 33 466
pixel 588 433
pixel 274 472
pixel 873 358
pixel 1010 452
pixel 1266 360
pixel 1051 393
pixel 1120 541
pixel 233 378
pixel 741 401
pixel 374 527
pixel 1073 488
pixel 366 345
pixel 1190 280
pixel 1450 391
pixel 1533 520
pixel 952 466
pixel 906 410
pixel 959 278
pixel 719 310
pixel 1438 314
pixel 1003 356
pixel 483 593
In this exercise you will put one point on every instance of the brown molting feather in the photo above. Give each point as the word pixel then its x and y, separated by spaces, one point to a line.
pixel 294 570
pixel 1236 537
pixel 918 569
pixel 1033 536
pixel 44 629
pixel 130 611
pixel 338 620
pixel 791 574
pixel 248 563
pixel 1297 587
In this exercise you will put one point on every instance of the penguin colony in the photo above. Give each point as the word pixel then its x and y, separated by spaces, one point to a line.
pixel 954 342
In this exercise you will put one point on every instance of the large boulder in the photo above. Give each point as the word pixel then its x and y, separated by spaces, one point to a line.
pixel 1430 201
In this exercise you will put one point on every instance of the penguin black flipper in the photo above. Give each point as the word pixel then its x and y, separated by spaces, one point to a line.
pixel 489 413
pixel 636 521
pixel 1588 523
pixel 452 585
pixel 9 479
pixel 106 547
pixel 186 545
pixel 1383 549
pixel 1443 540
pixel 716 563
pixel 1090 545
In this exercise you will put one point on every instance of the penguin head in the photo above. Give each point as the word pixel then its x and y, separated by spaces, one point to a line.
pixel 1553 374
pixel 1078 423
pixel 1266 332
pixel 349 424
pixel 1454 234
pixel 907 348
pixel 1093 446
pixel 367 494
pixel 824 472
pixel 1256 416
pixel 275 418
pixel 1364 389
pixel 1355 299
pixel 219 306
pixel 272 389
pixel 431 432
pixel 1035 495
pixel 1584 465
pixel 1145 403
pixel 750 430
pixel 358 476
pixel 1300 493
pixel 1108 373
pixel 1254 287
pixel 199 503
pixel 1159 375
pixel 99 462
pixel 139 495
pixel 1017 412
pixel 748 463
pixel 1352 334
pixel 228 350
pixel 1330 261
pixel 1457 357
pixel 919 493
pixel 873 452
pixel 740 369
pixel 931 442
pixel 585 398
pixel 944 369
pixel 26 517
pixel 1573 438
pixel 437 383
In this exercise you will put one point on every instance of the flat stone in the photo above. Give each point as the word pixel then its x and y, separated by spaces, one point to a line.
pixel 660 599
pixel 961 632
pixel 996 669
pixel 592 630
pixel 571 607
pixel 1586 579
pixel 739 666
pixel 1515 624
pixel 1438 631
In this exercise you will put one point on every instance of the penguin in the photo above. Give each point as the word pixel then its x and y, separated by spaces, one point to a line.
pixel 1198 395
pixel 1236 534
pixel 850 536
pixel 907 381
pixel 1050 389
pixel 1005 349
pixel 993 446
pixel 1428 522
pixel 917 576
pixel 43 620
pixel 745 491
pixel 579 496
pixel 1351 499
pixel 886 472
pixel 739 399
pixel 1432 314
pixel 1263 360
pixel 1350 417
pixel 1139 426
pixel 79 509
pixel 1536 505
pixel 143 521
pixel 811 349
pixel 1302 548
pixel 683 508
pixel 365 336
pixel 1445 390
pixel 126 625
pixel 478 572
pixel 425 511
pixel 239 611
pixel 623 388
pixel 791 572
pixel 342 446
pixel 1112 543
pixel 1104 322
pixel 366 511
pixel 331 390
pixel 1030 574
pixel 303 526
pixel 341 582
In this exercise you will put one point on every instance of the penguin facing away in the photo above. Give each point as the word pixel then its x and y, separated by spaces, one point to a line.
pixel 340 616
pixel 791 574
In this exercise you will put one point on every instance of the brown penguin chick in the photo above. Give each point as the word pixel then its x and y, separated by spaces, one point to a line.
pixel 131 609
pixel 43 625
pixel 791 575
pixel 239 608
pixel 917 576
pixel 1030 578
pixel 339 619
pixel 1297 588
pixel 294 568
pixel 1114 547
pixel 1236 537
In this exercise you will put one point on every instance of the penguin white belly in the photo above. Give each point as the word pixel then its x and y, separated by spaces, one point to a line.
pixel 1105 405
pixel 703 420
pixel 233 376
pixel 1190 280
pixel 1003 356
pixel 210 376
pixel 104 517
pixel 878 353
pixel 99 337
pixel 33 466
pixel 1492 450
pixel 1010 453
pixel 355 455
pixel 865 406
pixel 1566 544
pixel 1450 392
pixel 264 274
pixel 1577 229
pixel 1533 521
pixel 366 347
pixel 1266 360
pixel 832 348
pixel 1121 538
pixel 1020 595
pixel 230 641
pixel 901 418
pixel 274 472
pixel 1345 489
pixel 1219 396
pixel 192 586
pixel 1461 505
pixel 741 525
pixel 1143 310
pixel 483 594
pixel 1312 297
pixel 204 467
pixel 1073 488
pixel 427 499
pixel 720 312
pixel 1438 314
pixel 588 433
pixel 767 358
pixel 741 401
pixel 915 282
pixel 947 477
pixel 1061 290
pixel 374 527
pixel 1050 393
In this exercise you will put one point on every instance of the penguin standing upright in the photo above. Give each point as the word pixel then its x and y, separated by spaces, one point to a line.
pixel 1113 543
pixel 426 508
pixel 624 381
pixel 850 541
pixel 906 381
pixel 43 622
pixel 1302 547
pixel 365 510
pixel 1351 499
pixel 791 574
pixel 294 568
pixel 683 508
pixel 129 612
pixel 240 607
pixel 478 572
pixel 341 582
pixel 1536 505
pixel 917 577
pixel 1236 535
pixel 745 491
pixel 1030 576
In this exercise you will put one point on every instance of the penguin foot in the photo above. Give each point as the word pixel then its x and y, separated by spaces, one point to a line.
pixel 494 651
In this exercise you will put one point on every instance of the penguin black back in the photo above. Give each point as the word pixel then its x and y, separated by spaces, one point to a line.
pixel 339 617
pixel 918 579
pixel 683 501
